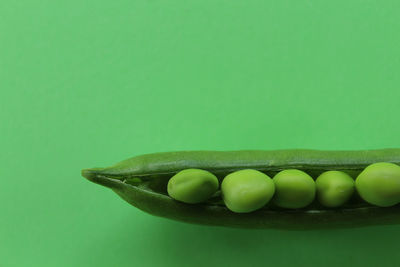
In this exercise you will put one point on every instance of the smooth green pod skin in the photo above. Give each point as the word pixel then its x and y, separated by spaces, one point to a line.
pixel 192 186
pixel 334 188
pixel 247 190
pixel 152 168
pixel 294 189
pixel 379 184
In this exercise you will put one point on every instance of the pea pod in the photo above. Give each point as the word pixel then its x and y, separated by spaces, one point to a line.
pixel 142 181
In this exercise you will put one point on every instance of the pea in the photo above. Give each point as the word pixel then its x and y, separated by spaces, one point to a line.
pixel 294 189
pixel 140 181
pixel 192 186
pixel 379 184
pixel 247 190
pixel 334 188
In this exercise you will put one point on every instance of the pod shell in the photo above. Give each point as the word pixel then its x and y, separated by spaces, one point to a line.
pixel 153 166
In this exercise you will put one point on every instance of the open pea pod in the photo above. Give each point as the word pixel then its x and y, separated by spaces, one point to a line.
pixel 142 181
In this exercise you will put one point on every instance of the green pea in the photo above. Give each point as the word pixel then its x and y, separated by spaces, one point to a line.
pixel 192 186
pixel 294 189
pixel 247 190
pixel 334 188
pixel 379 184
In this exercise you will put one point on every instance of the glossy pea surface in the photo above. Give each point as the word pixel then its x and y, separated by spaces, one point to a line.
pixel 247 190
pixel 334 188
pixel 192 186
pixel 294 189
pixel 379 184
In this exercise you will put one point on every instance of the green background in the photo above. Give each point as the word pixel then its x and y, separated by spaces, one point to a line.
pixel 89 83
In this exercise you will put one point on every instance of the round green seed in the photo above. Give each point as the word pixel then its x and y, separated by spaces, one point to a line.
pixel 294 189
pixel 192 186
pixel 247 190
pixel 379 184
pixel 334 188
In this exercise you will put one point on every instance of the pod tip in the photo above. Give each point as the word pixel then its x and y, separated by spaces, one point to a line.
pixel 90 173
